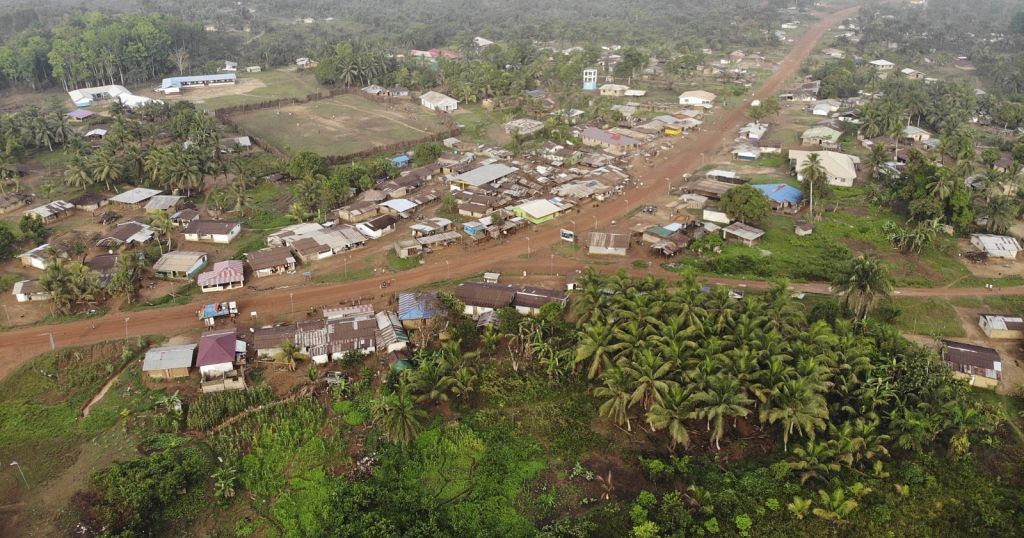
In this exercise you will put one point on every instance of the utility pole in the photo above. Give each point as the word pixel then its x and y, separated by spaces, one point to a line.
pixel 53 345
pixel 126 328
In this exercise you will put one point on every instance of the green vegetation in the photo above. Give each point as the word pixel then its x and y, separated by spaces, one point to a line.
pixel 41 404
pixel 209 410
pixel 397 264
pixel 183 295
pixel 929 317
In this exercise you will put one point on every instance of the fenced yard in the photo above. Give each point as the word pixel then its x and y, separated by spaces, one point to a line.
pixel 341 125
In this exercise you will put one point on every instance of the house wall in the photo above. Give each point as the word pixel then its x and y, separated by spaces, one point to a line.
pixel 34 262
pixel 228 286
pixel 476 311
pixel 168 373
pixel 606 251
pixel 216 370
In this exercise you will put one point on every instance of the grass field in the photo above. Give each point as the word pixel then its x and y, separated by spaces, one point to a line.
pixel 257 88
pixel 341 125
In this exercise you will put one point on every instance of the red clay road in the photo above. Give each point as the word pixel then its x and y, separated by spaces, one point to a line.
pixel 17 346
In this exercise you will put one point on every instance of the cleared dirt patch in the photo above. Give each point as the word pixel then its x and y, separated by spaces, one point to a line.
pixel 340 125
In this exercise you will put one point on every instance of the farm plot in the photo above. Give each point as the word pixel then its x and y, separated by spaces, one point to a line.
pixel 341 125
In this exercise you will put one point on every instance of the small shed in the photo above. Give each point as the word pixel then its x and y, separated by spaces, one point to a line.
pixel 169 362
pixel 608 243
pixel 745 233
pixel 180 264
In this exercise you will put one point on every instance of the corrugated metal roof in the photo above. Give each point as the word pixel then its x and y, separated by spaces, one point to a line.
pixel 166 357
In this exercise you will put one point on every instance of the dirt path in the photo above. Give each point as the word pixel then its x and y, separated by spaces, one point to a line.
pixel 103 390
pixel 19 345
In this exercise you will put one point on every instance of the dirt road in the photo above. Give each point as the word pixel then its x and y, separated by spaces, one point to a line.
pixel 17 346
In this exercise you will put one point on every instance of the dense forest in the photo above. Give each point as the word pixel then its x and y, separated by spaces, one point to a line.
pixel 142 41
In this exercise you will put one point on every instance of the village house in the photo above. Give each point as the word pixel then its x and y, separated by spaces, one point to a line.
pixel 358 211
pixel 183 217
pixel 29 290
pixel 523 127
pixel 416 308
pixel 51 212
pixel 697 98
pixel 378 227
pixel 613 90
pixel 912 74
pixel 826 107
pixel 95 134
pixel 216 356
pixel 821 136
pixel 134 197
pixel 408 248
pixel 105 265
pixel 999 327
pixel 997 246
pixel 90 201
pixel 709 188
pixel 431 226
pixel 980 365
pixel 753 131
pixel 615 144
pixel 11 201
pixel 38 257
pixel 539 211
pixel 212 231
pixel 438 102
pixel 480 176
pixel 398 207
pixel 608 244
pixel 224 275
pixel 180 264
pixel 780 195
pixel 391 336
pixel 529 300
pixel 746 234
pixel 840 168
pixel 80 115
pixel 834 53
pixel 312 241
pixel 915 134
pixel 883 67
pixel 803 229
pixel 127 234
pixel 169 362
pixel 271 261
pixel 174 85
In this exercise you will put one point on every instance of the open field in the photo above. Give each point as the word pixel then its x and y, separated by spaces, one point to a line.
pixel 341 125
pixel 250 88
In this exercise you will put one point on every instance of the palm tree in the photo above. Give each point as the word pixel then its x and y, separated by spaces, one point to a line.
pixel 618 396
pixel 800 507
pixel 162 225
pixel 813 172
pixel 1001 212
pixel 595 346
pixel 799 408
pixel 398 415
pixel 649 377
pixel 835 507
pixel 813 459
pixel 107 168
pixel 239 190
pixel 77 174
pixel 672 413
pixel 875 159
pixel 290 354
pixel 722 398
pixel 944 184
pixel 864 281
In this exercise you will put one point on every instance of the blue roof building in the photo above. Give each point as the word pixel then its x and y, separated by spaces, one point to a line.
pixel 401 160
pixel 414 308
pixel 781 195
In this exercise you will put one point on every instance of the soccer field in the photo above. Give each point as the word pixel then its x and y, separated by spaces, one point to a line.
pixel 341 125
